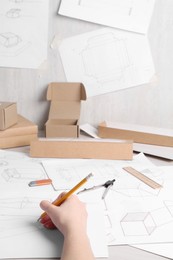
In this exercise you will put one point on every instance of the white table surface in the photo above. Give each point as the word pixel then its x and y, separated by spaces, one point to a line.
pixel 126 252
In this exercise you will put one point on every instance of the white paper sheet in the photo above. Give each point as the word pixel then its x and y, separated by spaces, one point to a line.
pixel 90 130
pixel 66 172
pixel 132 15
pixel 107 60
pixel 28 239
pixel 19 211
pixel 134 212
pixel 23 33
pixel 165 249
pixel 156 150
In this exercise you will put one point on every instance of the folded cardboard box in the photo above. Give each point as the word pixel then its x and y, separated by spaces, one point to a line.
pixel 20 134
pixel 82 148
pixel 8 114
pixel 137 133
pixel 64 110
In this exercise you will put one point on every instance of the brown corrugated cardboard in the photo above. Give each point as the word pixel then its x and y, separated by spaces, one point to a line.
pixel 79 148
pixel 137 133
pixel 19 134
pixel 64 110
pixel 8 114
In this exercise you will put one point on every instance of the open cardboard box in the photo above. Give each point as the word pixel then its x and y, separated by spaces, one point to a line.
pixel 64 110
pixel 8 114
pixel 137 133
pixel 20 134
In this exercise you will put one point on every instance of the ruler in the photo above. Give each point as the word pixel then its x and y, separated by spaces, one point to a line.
pixel 142 177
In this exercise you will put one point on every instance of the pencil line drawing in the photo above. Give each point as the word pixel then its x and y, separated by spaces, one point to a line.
pixel 14 226
pixel 3 163
pixel 115 54
pixel 9 39
pixel 137 224
pixel 25 1
pixel 145 223
pixel 123 7
pixel 22 174
pixel 20 206
pixel 12 44
pixel 22 39
pixel 14 13
pixel 18 13
pixel 107 60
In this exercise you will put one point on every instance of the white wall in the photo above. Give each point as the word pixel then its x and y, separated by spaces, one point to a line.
pixel 150 104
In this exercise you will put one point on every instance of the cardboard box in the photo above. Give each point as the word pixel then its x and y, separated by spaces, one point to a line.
pixel 20 134
pixel 137 133
pixel 64 110
pixel 8 114
pixel 79 148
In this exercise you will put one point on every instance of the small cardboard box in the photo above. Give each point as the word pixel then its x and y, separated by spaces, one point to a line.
pixel 137 133
pixel 82 148
pixel 8 114
pixel 20 134
pixel 64 110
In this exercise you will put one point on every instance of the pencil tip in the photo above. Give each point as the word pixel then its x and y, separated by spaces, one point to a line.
pixel 89 175
pixel 38 220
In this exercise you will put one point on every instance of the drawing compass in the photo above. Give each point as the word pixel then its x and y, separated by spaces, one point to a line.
pixel 107 185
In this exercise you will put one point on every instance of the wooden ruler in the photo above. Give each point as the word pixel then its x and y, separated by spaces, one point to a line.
pixel 142 177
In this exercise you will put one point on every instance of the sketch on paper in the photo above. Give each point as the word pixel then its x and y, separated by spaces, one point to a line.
pixel 25 1
pixel 130 15
pixel 13 13
pixel 145 223
pixel 124 7
pixel 137 224
pixel 22 174
pixel 11 44
pixel 23 38
pixel 14 226
pixel 98 66
pixel 9 39
pixel 133 211
pixel 3 163
pixel 20 206
pixel 107 60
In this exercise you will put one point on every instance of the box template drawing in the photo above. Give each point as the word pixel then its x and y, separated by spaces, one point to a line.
pixel 8 114
pixel 20 134
pixel 137 133
pixel 65 103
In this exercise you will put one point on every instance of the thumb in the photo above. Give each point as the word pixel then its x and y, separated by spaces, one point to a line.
pixel 48 207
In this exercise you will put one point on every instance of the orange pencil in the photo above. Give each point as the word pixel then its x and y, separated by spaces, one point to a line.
pixel 58 202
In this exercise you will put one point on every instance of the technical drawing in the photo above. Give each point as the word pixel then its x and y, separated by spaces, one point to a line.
pixel 14 226
pixel 22 175
pixel 113 62
pixel 123 7
pixel 14 13
pixel 20 206
pixel 9 39
pixel 66 174
pixel 145 223
pixel 138 224
pixel 25 1
pixel 19 203
pixel 16 1
pixel 12 44
pixel 3 163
